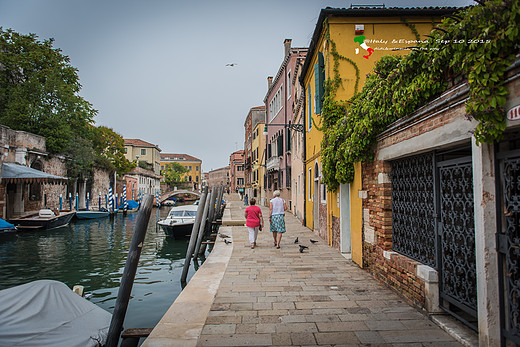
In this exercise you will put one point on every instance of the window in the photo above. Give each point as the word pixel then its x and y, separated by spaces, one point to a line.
pixel 197 179
pixel 309 111
pixel 143 151
pixel 288 84
pixel 319 77
pixel 189 167
pixel 196 168
pixel 276 104
pixel 189 178
pixel 323 193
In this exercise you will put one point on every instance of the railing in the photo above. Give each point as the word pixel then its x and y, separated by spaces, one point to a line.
pixel 273 163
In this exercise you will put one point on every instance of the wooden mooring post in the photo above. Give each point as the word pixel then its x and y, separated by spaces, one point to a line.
pixel 194 234
pixel 202 227
pixel 127 280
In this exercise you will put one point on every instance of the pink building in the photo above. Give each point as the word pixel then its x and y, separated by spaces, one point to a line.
pixel 236 171
pixel 279 102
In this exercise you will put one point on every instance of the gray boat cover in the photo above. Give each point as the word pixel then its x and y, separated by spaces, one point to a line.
pixel 48 313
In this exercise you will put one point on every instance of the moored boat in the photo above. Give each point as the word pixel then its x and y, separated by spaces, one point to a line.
pixel 6 227
pixel 92 214
pixel 48 313
pixel 179 221
pixel 45 219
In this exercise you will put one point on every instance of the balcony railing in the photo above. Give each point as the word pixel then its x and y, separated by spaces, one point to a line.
pixel 273 164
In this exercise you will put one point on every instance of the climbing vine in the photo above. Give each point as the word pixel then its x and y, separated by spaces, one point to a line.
pixel 478 43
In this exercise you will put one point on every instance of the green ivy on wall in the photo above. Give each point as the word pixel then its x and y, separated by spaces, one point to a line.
pixel 478 43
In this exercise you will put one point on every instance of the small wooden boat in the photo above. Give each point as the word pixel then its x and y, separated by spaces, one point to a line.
pixel 92 214
pixel 45 219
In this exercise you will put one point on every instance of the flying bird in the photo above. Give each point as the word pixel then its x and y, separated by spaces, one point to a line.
pixel 296 241
pixel 227 242
pixel 302 247
pixel 232 64
pixel 313 241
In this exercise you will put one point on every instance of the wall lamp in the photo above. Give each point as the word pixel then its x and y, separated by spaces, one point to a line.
pixel 295 127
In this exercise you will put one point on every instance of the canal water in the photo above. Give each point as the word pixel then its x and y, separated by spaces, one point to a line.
pixel 92 253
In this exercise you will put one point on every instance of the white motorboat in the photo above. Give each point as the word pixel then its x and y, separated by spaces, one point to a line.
pixel 179 221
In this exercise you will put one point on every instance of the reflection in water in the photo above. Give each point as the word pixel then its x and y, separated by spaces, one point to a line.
pixel 93 253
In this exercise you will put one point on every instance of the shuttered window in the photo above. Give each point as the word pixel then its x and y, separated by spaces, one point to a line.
pixel 319 78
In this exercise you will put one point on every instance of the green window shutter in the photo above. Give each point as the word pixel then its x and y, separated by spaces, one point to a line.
pixel 317 88
pixel 309 116
pixel 319 79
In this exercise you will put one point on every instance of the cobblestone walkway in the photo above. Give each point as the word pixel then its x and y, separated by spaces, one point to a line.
pixel 281 297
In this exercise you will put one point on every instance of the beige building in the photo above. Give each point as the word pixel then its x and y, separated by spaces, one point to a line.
pixel 142 151
pixel 219 177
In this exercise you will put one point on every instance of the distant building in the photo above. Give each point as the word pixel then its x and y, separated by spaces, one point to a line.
pixel 142 151
pixel 194 165
pixel 219 177
pixel 254 127
pixel 236 171
pixel 147 182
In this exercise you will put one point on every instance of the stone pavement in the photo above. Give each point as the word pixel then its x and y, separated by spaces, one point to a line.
pixel 281 297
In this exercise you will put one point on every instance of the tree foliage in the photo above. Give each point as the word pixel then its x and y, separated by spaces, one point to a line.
pixel 39 91
pixel 173 173
pixel 109 148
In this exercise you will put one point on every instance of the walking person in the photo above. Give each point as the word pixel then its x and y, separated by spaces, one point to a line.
pixel 254 221
pixel 277 208
pixel 245 200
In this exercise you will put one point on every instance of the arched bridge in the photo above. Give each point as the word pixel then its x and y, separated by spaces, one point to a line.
pixel 168 195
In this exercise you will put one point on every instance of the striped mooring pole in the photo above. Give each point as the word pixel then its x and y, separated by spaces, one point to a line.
pixel 124 197
pixel 110 200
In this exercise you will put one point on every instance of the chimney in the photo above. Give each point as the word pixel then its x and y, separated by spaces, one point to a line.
pixel 269 82
pixel 287 45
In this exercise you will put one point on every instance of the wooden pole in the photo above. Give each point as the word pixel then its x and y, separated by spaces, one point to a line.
pixel 219 203
pixel 194 233
pixel 202 227
pixel 211 213
pixel 127 281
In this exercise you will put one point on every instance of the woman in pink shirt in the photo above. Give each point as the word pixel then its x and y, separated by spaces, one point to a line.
pixel 254 221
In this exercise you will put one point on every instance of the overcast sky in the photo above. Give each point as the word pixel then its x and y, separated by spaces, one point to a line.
pixel 156 70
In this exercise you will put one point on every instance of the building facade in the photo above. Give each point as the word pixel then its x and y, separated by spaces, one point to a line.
pixel 255 116
pixel 336 216
pixel 236 172
pixel 257 166
pixel 194 166
pixel 219 177
pixel 279 114
pixel 141 151
pixel 298 149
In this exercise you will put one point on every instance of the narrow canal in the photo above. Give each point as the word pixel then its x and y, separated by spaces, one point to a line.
pixel 93 253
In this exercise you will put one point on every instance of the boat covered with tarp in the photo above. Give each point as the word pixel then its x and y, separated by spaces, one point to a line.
pixel 48 313
pixel 6 227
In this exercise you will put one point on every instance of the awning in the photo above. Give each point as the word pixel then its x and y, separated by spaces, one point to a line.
pixel 15 173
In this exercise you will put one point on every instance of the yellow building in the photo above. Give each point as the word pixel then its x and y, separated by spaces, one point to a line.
pixel 142 151
pixel 258 163
pixel 194 166
pixel 346 44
